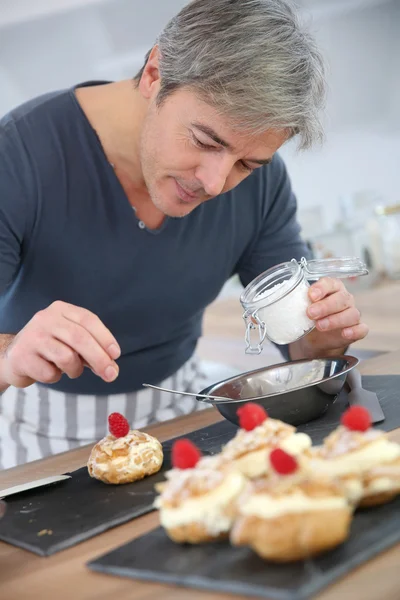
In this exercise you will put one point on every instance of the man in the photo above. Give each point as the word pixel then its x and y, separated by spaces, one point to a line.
pixel 125 207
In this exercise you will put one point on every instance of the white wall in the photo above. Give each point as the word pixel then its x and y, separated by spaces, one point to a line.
pixel 362 149
pixel 50 44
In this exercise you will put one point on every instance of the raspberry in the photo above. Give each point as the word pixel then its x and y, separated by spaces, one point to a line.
pixel 251 415
pixel 282 462
pixel 118 425
pixel 356 418
pixel 185 454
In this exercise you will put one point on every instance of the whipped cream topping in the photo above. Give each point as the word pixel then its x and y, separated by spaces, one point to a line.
pixel 353 488
pixel 296 444
pixel 380 485
pixel 270 433
pixel 266 506
pixel 186 483
pixel 355 461
pixel 208 509
pixel 343 440
pixel 386 470
pixel 249 450
pixel 384 478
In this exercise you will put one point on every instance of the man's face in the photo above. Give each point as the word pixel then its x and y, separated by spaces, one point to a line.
pixel 189 153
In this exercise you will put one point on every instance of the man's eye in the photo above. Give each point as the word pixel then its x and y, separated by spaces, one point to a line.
pixel 201 145
pixel 245 167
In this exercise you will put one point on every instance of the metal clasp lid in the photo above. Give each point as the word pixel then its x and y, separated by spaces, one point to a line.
pixel 252 322
pixel 340 268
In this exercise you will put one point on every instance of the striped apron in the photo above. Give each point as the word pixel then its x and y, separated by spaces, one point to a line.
pixel 37 421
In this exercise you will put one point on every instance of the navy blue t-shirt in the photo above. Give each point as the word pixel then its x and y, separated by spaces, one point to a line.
pixel 68 232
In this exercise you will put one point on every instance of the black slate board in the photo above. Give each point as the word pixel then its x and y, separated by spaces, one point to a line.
pixel 80 508
pixel 221 568
pixel 73 510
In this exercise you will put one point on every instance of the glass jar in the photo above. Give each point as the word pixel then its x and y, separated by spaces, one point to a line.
pixel 276 302
pixel 389 225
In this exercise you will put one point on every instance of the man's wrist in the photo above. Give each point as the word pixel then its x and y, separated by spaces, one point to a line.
pixel 3 384
pixel 5 342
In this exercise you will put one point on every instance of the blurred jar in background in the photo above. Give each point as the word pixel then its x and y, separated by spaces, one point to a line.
pixel 386 235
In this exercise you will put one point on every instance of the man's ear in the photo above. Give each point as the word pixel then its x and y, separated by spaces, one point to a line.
pixel 150 80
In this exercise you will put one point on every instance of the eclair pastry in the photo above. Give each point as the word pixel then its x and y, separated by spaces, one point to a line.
pixel 125 455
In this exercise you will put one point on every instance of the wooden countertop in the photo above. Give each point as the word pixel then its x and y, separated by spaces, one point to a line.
pixel 64 575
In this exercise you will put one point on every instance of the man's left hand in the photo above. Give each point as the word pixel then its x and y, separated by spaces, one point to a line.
pixel 336 318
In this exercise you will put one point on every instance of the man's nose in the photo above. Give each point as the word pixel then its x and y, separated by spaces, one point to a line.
pixel 214 172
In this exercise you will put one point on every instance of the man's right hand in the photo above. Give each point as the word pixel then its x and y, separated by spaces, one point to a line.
pixel 62 338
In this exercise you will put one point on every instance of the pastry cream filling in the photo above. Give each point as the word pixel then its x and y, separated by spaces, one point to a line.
pixel 296 443
pixel 255 463
pixel 357 461
pixel 385 478
pixel 353 488
pixel 207 509
pixel 265 506
pixel 381 484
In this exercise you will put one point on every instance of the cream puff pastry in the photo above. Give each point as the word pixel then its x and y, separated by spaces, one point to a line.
pixel 258 435
pixel 125 455
pixel 362 458
pixel 288 515
pixel 196 504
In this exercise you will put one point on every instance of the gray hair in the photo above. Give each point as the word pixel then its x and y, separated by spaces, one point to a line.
pixel 250 59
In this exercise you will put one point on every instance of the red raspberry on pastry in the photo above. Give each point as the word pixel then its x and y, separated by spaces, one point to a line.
pixel 356 418
pixel 118 425
pixel 185 454
pixel 282 462
pixel 251 415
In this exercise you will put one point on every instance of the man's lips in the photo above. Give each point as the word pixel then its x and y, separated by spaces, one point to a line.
pixel 185 195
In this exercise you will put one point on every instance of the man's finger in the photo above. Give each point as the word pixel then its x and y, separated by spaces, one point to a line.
pixel 93 325
pixel 325 287
pixel 63 357
pixel 81 341
pixel 345 318
pixel 355 333
pixel 330 305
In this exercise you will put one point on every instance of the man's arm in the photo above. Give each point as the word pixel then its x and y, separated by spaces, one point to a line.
pixel 62 338
pixel 332 307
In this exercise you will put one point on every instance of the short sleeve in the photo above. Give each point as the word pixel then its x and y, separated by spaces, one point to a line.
pixel 278 238
pixel 15 205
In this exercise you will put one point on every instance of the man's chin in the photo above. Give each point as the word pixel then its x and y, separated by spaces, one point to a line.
pixel 179 214
pixel 177 210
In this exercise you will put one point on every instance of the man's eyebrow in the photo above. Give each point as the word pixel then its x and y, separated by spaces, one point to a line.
pixel 218 140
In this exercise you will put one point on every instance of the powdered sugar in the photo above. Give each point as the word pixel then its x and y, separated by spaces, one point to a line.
pixel 286 317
